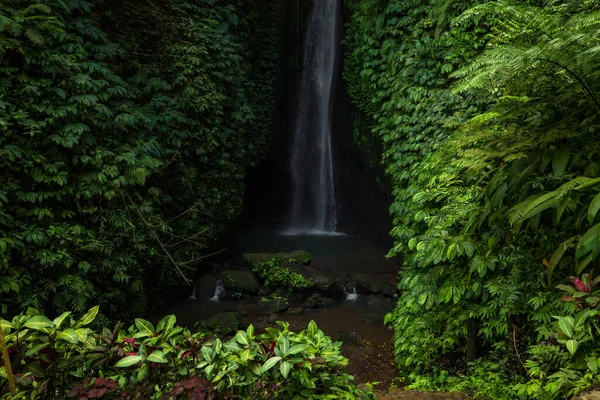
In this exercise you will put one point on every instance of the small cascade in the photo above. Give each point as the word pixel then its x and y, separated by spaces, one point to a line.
pixel 352 295
pixel 193 294
pixel 219 290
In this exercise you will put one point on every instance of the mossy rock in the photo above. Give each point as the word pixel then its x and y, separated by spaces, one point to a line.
pixel 243 281
pixel 301 257
pixel 228 322
pixel 275 269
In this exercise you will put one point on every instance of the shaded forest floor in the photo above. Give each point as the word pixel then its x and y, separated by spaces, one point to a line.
pixel 370 363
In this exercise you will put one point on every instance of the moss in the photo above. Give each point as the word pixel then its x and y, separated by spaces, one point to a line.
pixel 275 270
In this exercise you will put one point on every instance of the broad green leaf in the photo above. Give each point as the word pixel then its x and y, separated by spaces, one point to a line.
pixel 567 288
pixel 60 319
pixel 284 368
pixel 89 316
pixel 4 324
pixel 593 365
pixel 144 326
pixel 312 328
pixel 69 335
pixel 566 325
pixel 128 361
pixel 166 324
pixel 555 259
pixel 207 353
pixel 572 346
pixel 38 322
pixel 242 338
pixel 34 350
pixel 157 356
pixel 250 331
pixel 593 209
pixel 298 348
pixel 560 160
pixel 82 334
pixel 284 346
pixel 270 363
pixel 142 372
pixel 255 368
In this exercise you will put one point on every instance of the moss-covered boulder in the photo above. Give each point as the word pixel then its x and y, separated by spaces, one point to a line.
pixel 240 281
pixel 321 278
pixel 275 269
pixel 228 322
pixel 276 306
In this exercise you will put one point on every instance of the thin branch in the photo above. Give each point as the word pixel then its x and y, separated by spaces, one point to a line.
pixel 160 243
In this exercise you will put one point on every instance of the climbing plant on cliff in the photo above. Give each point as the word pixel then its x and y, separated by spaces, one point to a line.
pixel 488 115
pixel 125 134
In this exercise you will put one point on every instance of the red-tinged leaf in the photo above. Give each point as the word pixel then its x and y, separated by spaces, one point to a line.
pixel 96 393
pixel 133 353
pixel 578 284
pixel 567 298
pixel 185 355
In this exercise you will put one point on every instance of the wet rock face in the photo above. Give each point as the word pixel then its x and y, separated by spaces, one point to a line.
pixel 321 278
pixel 205 287
pixel 374 284
pixel 276 306
pixel 243 281
pixel 316 300
pixel 380 302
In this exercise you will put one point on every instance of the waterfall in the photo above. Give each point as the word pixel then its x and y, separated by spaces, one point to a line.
pixel 219 290
pixel 352 295
pixel 193 294
pixel 314 202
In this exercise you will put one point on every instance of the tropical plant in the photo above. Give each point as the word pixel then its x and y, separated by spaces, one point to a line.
pixel 65 358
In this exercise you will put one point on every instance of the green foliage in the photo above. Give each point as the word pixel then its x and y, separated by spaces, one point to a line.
pixel 483 381
pixel 125 132
pixel 567 363
pixel 53 358
pixel 276 271
pixel 488 116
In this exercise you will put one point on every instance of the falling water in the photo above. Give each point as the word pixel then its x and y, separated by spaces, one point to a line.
pixel 219 290
pixel 193 294
pixel 314 203
pixel 351 295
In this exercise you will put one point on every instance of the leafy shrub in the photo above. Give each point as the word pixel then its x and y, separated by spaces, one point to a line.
pixel 568 362
pixel 51 358
pixel 484 110
pixel 125 132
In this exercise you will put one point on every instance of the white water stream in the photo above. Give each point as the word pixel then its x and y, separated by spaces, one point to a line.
pixel 314 201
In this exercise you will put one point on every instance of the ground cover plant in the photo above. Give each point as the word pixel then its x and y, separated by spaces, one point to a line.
pixel 65 358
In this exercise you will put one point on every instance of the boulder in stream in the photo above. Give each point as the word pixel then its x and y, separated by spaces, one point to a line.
pixel 316 300
pixel 321 278
pixel 243 281
pixel 375 284
pixel 276 305
pixel 381 302
pixel 205 287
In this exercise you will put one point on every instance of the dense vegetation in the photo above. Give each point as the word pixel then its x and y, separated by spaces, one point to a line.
pixel 126 128
pixel 488 114
pixel 64 358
